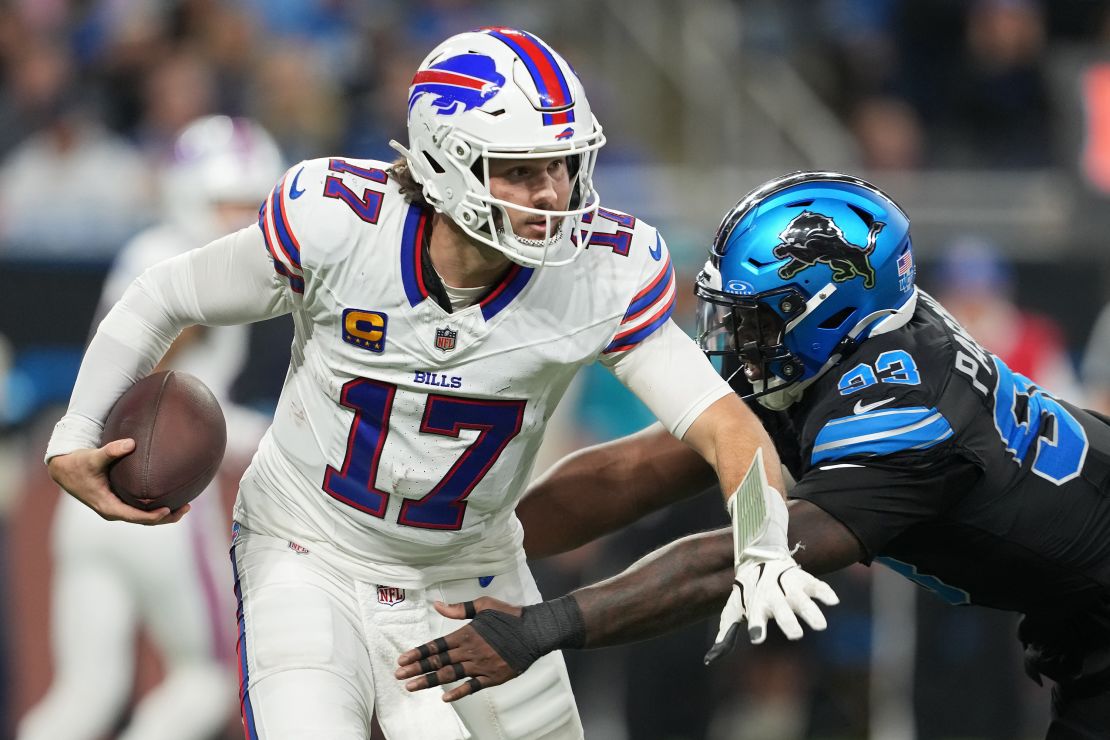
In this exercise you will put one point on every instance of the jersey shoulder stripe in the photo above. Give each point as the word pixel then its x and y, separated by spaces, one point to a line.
pixel 283 248
pixel 880 433
pixel 629 338
pixel 651 293
pixel 286 237
pixel 653 302
pixel 412 262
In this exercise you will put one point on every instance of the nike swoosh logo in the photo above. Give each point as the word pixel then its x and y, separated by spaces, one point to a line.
pixel 862 408
pixel 657 251
pixel 294 192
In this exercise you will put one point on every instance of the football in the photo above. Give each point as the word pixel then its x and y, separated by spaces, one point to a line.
pixel 180 435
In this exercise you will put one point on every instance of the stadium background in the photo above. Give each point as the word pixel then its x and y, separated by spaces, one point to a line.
pixel 988 120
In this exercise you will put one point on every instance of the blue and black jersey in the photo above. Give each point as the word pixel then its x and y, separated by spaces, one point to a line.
pixel 957 472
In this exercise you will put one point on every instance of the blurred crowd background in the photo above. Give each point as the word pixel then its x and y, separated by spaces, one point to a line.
pixel 988 120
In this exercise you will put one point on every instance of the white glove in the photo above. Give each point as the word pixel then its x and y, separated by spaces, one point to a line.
pixel 769 584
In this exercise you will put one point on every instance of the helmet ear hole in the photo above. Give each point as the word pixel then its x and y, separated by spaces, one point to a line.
pixel 837 319
pixel 436 166
pixel 479 172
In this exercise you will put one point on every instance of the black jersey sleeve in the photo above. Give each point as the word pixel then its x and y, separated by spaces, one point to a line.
pixel 877 499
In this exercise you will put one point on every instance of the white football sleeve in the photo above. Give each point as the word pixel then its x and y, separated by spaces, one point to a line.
pixel 230 281
pixel 672 377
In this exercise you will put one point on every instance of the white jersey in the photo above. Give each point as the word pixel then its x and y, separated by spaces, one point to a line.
pixel 406 433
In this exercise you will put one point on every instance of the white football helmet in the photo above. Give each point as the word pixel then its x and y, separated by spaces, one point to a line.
pixel 218 160
pixel 499 93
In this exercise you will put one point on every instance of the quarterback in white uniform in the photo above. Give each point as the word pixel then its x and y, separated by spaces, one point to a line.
pixel 442 305
pixel 108 578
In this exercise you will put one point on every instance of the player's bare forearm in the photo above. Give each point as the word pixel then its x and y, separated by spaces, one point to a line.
pixel 677 585
pixel 824 544
pixel 681 583
pixel 690 578
pixel 603 488
pixel 727 435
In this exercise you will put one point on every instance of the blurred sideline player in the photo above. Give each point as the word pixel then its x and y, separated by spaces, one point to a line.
pixel 441 306
pixel 977 285
pixel 911 445
pixel 109 578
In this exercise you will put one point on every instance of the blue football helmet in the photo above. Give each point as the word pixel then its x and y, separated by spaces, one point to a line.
pixel 801 270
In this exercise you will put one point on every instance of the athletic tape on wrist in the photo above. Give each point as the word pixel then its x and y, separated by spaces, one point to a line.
pixel 748 507
pixel 540 629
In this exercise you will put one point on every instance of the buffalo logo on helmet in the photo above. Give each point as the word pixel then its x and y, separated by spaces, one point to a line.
pixel 457 83
pixel 814 237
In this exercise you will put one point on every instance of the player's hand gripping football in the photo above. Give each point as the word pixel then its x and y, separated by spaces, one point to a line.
pixel 462 654
pixel 769 584
pixel 84 475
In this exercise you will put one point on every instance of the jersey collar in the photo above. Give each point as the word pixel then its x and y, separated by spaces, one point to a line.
pixel 420 278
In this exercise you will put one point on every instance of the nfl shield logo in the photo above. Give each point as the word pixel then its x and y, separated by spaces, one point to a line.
pixel 445 339
pixel 390 595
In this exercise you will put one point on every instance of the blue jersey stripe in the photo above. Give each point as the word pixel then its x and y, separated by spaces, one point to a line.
pixel 244 678
pixel 413 290
pixel 876 423
pixel 639 304
pixel 281 227
pixel 890 418
pixel 630 340
pixel 881 433
pixel 295 281
pixel 265 233
pixel 508 293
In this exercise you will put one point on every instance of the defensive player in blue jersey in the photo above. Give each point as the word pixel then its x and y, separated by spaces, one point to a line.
pixel 910 444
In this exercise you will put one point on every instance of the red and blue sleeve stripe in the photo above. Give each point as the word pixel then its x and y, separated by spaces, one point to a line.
pixel 651 293
pixel 548 77
pixel 649 309
pixel 281 242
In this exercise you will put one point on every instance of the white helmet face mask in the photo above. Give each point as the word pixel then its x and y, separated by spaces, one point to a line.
pixel 499 93
pixel 218 160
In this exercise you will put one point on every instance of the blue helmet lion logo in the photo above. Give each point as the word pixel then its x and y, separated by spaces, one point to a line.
pixel 458 83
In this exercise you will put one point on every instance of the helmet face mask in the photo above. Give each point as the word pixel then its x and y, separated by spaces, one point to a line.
pixel 801 270
pixel 502 94
pixel 747 335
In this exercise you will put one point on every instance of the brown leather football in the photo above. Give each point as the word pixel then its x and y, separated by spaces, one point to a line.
pixel 179 434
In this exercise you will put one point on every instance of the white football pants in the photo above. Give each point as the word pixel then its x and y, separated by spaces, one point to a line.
pixel 111 577
pixel 318 649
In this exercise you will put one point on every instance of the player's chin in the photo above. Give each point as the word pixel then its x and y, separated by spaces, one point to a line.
pixel 537 231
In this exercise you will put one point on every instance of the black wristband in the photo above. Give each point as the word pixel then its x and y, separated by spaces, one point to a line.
pixel 540 629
